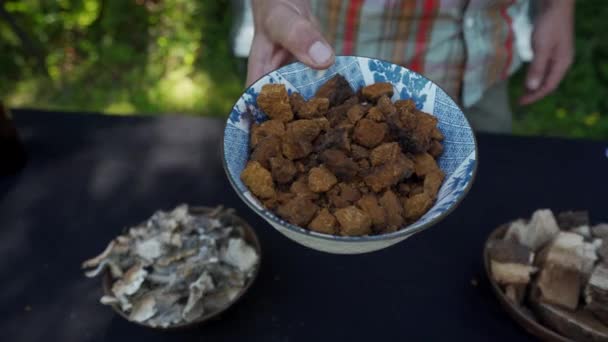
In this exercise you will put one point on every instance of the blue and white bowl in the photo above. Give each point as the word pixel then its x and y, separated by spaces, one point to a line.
pixel 459 159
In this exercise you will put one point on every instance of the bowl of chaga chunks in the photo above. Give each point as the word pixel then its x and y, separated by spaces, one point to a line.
pixel 351 159
pixel 550 273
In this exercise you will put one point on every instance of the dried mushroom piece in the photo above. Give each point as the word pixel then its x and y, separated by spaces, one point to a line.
pixel 394 211
pixel 340 164
pixel 560 279
pixel 303 129
pixel 369 133
pixel 572 219
pixel 300 188
pixel 324 222
pixel 343 195
pixel 313 108
pixel 424 164
pixel 269 147
pixel 320 179
pixel 511 265
pixel 353 221
pixel 299 211
pixel 596 293
pixel 359 152
pixel 541 229
pixel 178 266
pixel 436 149
pixel 297 102
pixel 296 149
pixel 386 106
pixel 283 170
pixel 432 182
pixel 274 101
pixel 265 129
pixel 388 174
pixel 415 206
pixel 369 204
pixel 258 180
pixel 355 113
pixel 336 138
pixel 385 153
pixel 336 90
pixel 374 91
pixel 375 114
pixel 600 231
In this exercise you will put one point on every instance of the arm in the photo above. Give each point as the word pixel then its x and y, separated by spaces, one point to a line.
pixel 552 42
pixel 285 29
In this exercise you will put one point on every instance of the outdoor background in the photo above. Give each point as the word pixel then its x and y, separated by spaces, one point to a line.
pixel 150 57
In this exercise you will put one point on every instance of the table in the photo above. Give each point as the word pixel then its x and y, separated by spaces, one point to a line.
pixel 91 175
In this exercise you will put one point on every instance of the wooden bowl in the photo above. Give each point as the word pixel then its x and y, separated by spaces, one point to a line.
pixel 249 236
pixel 514 310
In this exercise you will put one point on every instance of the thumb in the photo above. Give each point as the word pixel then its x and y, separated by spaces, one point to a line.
pixel 299 36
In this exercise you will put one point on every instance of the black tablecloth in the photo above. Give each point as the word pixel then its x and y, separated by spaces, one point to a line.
pixel 89 176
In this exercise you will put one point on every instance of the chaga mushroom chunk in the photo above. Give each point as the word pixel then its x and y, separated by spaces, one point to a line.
pixel 267 148
pixel 416 205
pixel 340 164
pixel 313 108
pixel 336 90
pixel 266 129
pixel 304 129
pixel 369 204
pixel 369 133
pixel 299 211
pixel 258 180
pixel 385 105
pixel 424 164
pixel 385 153
pixel 355 113
pixel 296 149
pixel 336 138
pixel 343 195
pixel 389 174
pixel 394 211
pixel 274 101
pixel 374 91
pixel 300 188
pixel 283 170
pixel 353 221
pixel 324 222
pixel 320 179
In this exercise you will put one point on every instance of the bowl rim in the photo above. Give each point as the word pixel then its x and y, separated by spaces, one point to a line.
pixel 402 232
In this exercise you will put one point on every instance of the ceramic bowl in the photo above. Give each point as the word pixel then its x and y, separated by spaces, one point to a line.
pixel 459 160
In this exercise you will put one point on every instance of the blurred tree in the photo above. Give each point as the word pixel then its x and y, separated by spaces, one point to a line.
pixel 155 56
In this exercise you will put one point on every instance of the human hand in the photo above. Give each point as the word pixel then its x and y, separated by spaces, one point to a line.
pixel 552 42
pixel 285 29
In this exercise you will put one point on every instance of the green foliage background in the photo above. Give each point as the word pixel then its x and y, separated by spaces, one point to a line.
pixel 161 56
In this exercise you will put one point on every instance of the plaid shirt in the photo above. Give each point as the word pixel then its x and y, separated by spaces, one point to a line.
pixel 465 46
